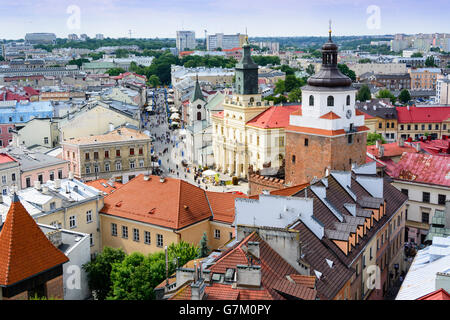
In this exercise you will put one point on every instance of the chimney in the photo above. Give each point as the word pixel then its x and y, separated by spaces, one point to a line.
pixel 198 290
pixel 58 184
pixel 429 138
pixel 55 237
pixel 248 276
pixel 146 177
pixel 444 137
pixel 381 152
pixel 253 248
pixel 377 144
pixel 401 142
pixel 37 185
pixel 70 175
pixel 44 189
pixel 442 281
pixel 418 148
pixel 161 179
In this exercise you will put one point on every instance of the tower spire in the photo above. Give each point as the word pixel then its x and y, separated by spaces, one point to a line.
pixel 329 31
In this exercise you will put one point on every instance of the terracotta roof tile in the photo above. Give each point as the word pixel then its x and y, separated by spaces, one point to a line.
pixel 99 184
pixel 274 117
pixel 422 114
pixel 24 249
pixel 126 134
pixel 173 203
pixel 222 205
pixel 330 116
pixel 390 149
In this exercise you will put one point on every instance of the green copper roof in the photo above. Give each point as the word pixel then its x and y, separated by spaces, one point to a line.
pixel 246 60
pixel 197 92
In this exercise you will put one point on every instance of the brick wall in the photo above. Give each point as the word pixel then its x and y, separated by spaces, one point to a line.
pixel 258 183
pixel 334 153
pixel 55 288
pixel 21 296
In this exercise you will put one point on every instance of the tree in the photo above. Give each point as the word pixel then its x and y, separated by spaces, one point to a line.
pixel 292 82
pixel 218 49
pixel 429 62
pixel 385 93
pixel 404 96
pixel 373 137
pixel 280 87
pixel 115 71
pixel 347 71
pixel 78 62
pixel 365 60
pixel 99 271
pixel 416 55
pixel 203 246
pixel 363 93
pixel 295 95
pixel 310 70
pixel 153 81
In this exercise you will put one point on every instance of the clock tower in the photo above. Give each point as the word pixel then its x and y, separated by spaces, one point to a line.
pixel 328 133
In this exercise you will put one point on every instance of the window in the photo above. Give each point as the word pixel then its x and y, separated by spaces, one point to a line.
pixel 257 141
pixel 402 127
pixel 423 127
pixel 141 151
pixel 330 101
pixel 13 177
pixel 96 155
pixel 3 179
pixel 106 154
pixel 429 127
pixel 409 127
pixel 436 127
pixel 89 216
pixel 41 178
pixel 72 222
pixel 4 191
pixel 45 140
pixel 159 240
pixel 306 142
pixel 107 167
pixel 416 127
pixel 118 165
pixel 60 174
pixel 217 234
pixel 425 217
pixel 28 182
pixel 124 232
pixel 350 139
pixel 199 116
pixel 52 205
pixel 88 169
pixel 96 167
pixel 357 269
pixel 387 124
pixel 426 197
pixel 293 158
pixel 370 252
pixel 348 100
pixel 136 234
pixel 141 163
pixel 52 176
pixel 132 164
pixel 380 125
pixel 311 100
pixel 131 151
pixel 117 153
pixel 87 155
pixel 442 199
pixel 91 238
pixel 114 229
pixel 281 141
pixel 363 261
pixel 147 238
pixel 405 192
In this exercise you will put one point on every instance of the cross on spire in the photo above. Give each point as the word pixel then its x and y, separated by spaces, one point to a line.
pixel 329 30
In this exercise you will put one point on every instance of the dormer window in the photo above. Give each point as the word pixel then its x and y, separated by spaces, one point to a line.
pixel 311 100
pixel 330 101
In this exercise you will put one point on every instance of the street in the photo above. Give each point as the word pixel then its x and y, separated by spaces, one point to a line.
pixel 169 146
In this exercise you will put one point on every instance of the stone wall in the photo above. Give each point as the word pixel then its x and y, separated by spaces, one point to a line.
pixel 55 288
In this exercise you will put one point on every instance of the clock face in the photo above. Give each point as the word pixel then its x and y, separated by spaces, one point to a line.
pixel 349 114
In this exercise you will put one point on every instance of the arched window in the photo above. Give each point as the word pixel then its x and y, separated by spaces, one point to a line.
pixel 199 116
pixel 311 100
pixel 199 106
pixel 252 100
pixel 348 100
pixel 330 101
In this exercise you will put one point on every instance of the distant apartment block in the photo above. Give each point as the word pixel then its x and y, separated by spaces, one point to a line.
pixel 185 40
pixel 40 38
pixel 224 41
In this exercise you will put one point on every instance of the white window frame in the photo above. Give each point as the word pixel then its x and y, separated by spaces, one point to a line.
pixel 72 222
pixel 89 216
pixel 159 240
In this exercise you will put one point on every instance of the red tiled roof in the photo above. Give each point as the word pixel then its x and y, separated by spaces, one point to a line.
pixel 4 158
pixel 323 132
pixel 436 147
pixel 440 294
pixel 172 204
pixel 421 168
pixel 274 117
pixel 30 91
pixel 222 205
pixel 391 150
pixel 218 114
pixel 308 281
pixel 24 249
pixel 97 184
pixel 422 114
pixel 330 116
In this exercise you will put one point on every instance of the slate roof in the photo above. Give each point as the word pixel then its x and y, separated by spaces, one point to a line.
pixel 24 249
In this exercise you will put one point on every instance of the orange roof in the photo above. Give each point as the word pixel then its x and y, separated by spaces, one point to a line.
pixel 274 117
pixel 290 191
pixel 4 158
pixel 24 249
pixel 390 149
pixel 222 205
pixel 440 294
pixel 218 114
pixel 120 134
pixel 173 203
pixel 308 281
pixel 330 116
pixel 103 185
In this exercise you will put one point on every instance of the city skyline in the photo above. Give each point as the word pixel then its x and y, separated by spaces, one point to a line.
pixel 114 18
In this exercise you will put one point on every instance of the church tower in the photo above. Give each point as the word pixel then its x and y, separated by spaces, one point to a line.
pixel 328 133
pixel 197 104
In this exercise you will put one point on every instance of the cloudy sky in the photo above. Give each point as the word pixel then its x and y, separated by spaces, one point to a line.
pixel 161 18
